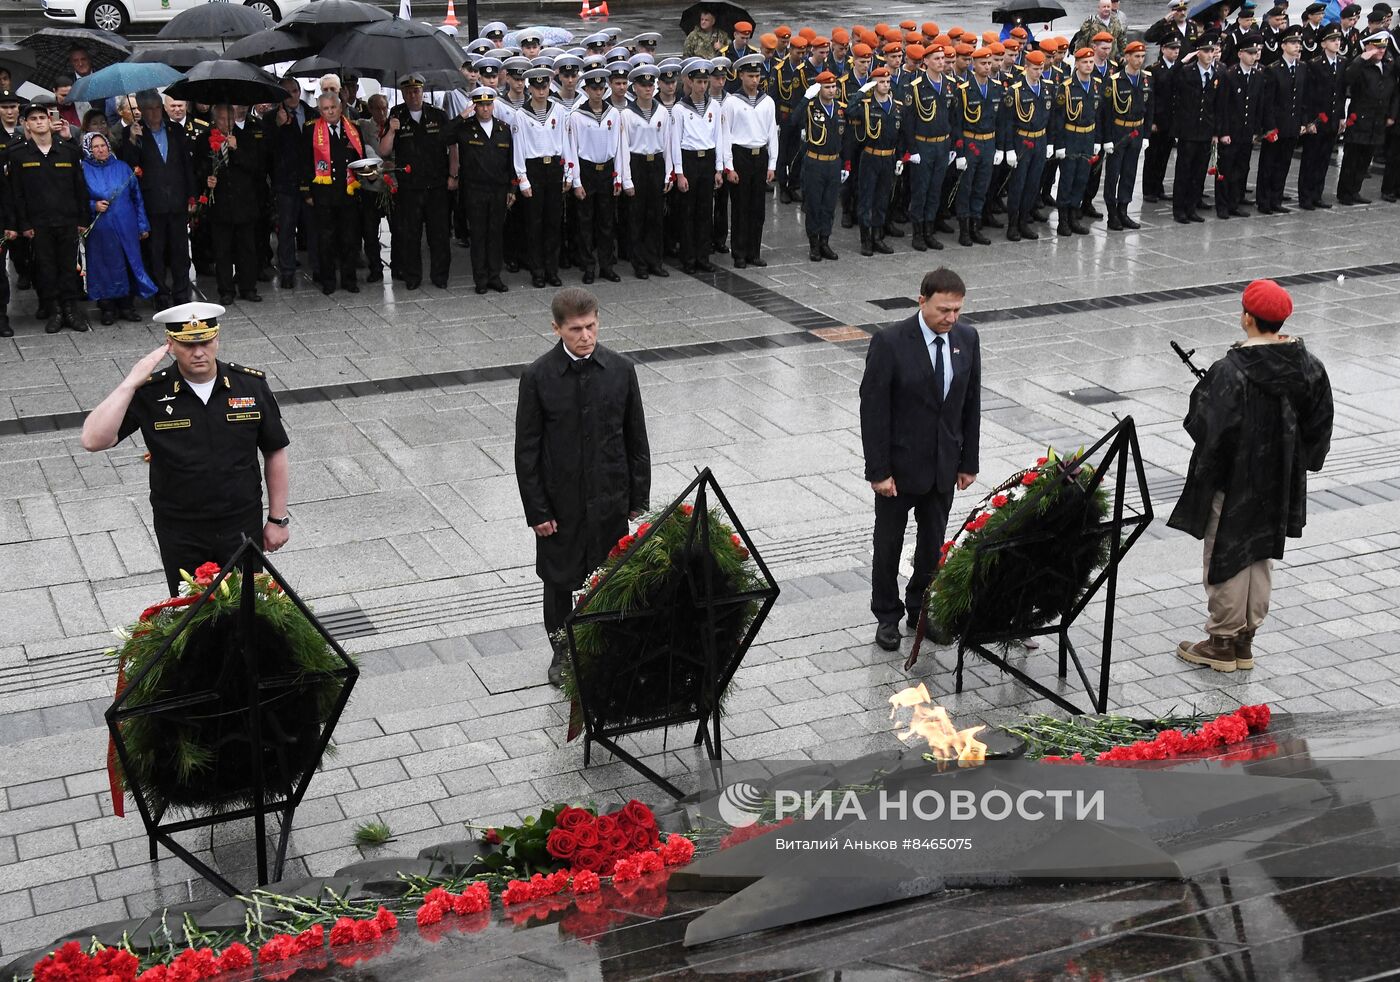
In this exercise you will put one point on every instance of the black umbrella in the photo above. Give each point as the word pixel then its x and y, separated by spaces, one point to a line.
pixel 314 66
pixel 214 20
pixel 227 81
pixel 324 19
pixel 266 47
pixel 1212 10
pixel 19 62
pixel 182 57
pixel 1027 12
pixel 51 46
pixel 726 15
pixel 395 47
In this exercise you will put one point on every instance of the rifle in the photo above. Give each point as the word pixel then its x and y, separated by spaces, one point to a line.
pixel 1185 356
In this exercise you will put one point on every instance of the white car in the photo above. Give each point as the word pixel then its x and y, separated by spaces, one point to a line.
pixel 116 15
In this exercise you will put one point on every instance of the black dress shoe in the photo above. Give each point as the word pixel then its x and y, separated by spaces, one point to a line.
pixel 1152 198
pixel 1358 200
pixel 327 288
pixel 1322 204
pixel 887 636
pixel 512 267
pixel 912 621
pixel 1195 217
pixel 740 264
pixel 659 270
pixel 107 317
pixel 556 669
pixel 640 274
pixel 757 262
pixel 705 266
pixel 6 331
pixel 412 284
pixel 54 324
pixel 498 286
pixel 588 276
pixel 554 280
pixel 1390 198
pixel 480 290
pixel 287 281
pixel 1282 210
pixel 252 296
pixel 721 248
pixel 537 282
pixel 226 298
pixel 610 275
pixel 1239 213
pixel 1306 205
pixel 440 284
pixel 130 315
pixel 351 287
pixel 375 276
pixel 1222 215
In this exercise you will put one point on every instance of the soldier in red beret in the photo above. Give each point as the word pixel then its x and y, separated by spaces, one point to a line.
pixel 1261 418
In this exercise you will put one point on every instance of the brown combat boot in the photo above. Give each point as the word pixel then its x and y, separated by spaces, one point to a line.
pixel 1214 652
pixel 1244 650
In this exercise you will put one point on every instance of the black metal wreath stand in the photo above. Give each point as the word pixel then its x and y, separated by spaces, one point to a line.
pixel 716 668
pixel 262 692
pixel 1122 451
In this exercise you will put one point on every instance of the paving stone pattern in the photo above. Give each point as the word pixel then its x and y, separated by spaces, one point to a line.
pixel 408 531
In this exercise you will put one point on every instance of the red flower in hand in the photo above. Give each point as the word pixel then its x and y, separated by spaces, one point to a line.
pixel 1271 136
pixel 1323 119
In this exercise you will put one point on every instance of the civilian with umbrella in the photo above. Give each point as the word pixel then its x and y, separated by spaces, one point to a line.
pixel 121 79
pixel 160 152
pixel 76 50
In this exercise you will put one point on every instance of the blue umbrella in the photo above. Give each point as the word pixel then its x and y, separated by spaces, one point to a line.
pixel 122 78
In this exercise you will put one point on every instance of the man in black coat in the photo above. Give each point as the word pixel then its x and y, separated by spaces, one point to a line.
pixel 160 152
pixel 232 175
pixel 1239 112
pixel 1195 80
pixel 1159 147
pixel 1326 105
pixel 581 455
pixel 1284 121
pixel 1371 114
pixel 920 421
pixel 1261 418
pixel 331 144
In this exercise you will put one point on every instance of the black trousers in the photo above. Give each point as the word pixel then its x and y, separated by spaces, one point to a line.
pixel 1312 169
pixel 56 263
pixel 1192 162
pixel 596 233
pixel 558 601
pixel 168 257
pixel 235 257
pixel 746 199
pixel 337 239
pixel 697 205
pixel 1154 166
pixel 1232 171
pixel 720 222
pixel 891 516
pixel 1356 164
pixel 188 545
pixel 421 208
pixel 1390 180
pixel 1274 160
pixel 21 251
pixel 370 216
pixel 293 213
pixel 544 215
pixel 646 212
pixel 486 216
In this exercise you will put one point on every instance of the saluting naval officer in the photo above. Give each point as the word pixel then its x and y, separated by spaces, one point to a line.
pixel 204 422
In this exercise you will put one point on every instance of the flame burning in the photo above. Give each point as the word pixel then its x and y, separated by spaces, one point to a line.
pixel 945 741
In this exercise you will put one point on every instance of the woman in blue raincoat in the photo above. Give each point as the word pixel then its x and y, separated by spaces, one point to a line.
pixel 115 274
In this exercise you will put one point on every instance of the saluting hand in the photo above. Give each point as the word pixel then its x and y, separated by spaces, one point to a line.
pixel 142 369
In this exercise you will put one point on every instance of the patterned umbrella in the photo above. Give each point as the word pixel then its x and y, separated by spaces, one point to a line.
pixel 51 46
pixel 181 57
pixel 214 20
pixel 19 62
pixel 121 78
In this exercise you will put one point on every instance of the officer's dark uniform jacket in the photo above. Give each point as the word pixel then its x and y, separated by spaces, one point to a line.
pixel 48 189
pixel 420 149
pixel 930 115
pixel 204 457
pixel 484 161
pixel 1127 105
pixel 826 131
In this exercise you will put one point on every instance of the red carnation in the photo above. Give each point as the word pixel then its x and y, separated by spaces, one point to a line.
pixel 156 973
pixel 677 850
pixel 429 914
pixel 1255 717
pixel 216 139
pixel 204 199
pixel 1000 501
pixel 205 574
pixel 1030 479
pixel 518 892
pixel 1323 119
pixel 235 957
pixel 686 509
pixel 586 881
pixel 1351 120
pixel 343 932
pixel 1041 461
pixel 493 837
pixel 366 931
pixel 473 900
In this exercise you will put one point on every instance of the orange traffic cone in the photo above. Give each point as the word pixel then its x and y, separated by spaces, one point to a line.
pixel 451 19
pixel 599 11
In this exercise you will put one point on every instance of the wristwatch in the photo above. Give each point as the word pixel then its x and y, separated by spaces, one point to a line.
pixel 284 522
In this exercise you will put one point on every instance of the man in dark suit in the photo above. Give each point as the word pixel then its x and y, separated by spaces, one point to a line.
pixel 332 144
pixel 920 420
pixel 581 455
pixel 160 152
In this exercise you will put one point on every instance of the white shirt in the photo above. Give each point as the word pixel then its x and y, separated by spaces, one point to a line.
pixel 536 137
pixel 750 124
pixel 592 139
pixel 202 389
pixel 929 336
pixel 696 128
pixel 643 135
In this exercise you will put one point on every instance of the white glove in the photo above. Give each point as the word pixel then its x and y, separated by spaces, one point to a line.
pixel 802 135
pixel 1097 148
pixel 868 86
pixel 1145 142
pixel 812 90
pixel 898 167
pixel 998 158
pixel 915 158
pixel 1060 154
pixel 952 156
pixel 962 163
pixel 1108 148
pixel 1049 151
pixel 1011 158
pixel 845 174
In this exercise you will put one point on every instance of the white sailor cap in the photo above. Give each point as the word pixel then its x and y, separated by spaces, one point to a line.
pixel 754 61
pixel 696 66
pixel 595 75
pixel 648 37
pixel 598 40
pixel 495 27
pixel 643 73
pixel 530 34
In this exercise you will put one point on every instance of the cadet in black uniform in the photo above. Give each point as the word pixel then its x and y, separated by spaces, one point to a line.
pixel 417 137
pixel 486 177
pixel 50 199
pixel 1239 111
pixel 204 422
pixel 1284 120
pixel 1326 105
pixel 1194 83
